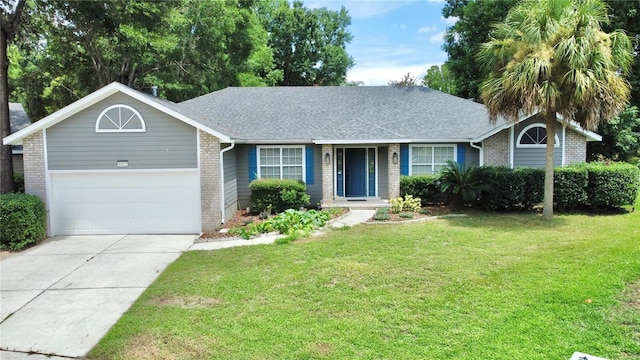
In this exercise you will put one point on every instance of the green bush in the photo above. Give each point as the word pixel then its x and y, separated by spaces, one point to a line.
pixel 464 184
pixel 409 203
pixel 570 187
pixel 23 220
pixel 278 195
pixel 611 185
pixel 425 187
pixel 533 186
pixel 292 223
pixel 406 215
pixel 18 179
pixel 507 189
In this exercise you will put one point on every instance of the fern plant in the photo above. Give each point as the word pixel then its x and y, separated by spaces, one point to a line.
pixel 463 184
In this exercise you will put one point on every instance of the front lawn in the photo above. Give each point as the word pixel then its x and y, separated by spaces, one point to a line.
pixel 488 286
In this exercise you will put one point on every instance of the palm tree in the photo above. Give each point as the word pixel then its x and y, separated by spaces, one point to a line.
pixel 552 57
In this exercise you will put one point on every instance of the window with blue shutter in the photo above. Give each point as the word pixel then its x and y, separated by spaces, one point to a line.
pixel 309 164
pixel 404 159
pixel 253 163
pixel 461 154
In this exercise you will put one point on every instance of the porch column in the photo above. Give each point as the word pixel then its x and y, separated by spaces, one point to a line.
pixel 394 171
pixel 327 174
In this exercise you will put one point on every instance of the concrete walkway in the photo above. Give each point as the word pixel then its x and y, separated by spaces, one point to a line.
pixel 61 297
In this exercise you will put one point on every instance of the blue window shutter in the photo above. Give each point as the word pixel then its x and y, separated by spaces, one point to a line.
pixel 461 154
pixel 309 164
pixel 404 159
pixel 253 163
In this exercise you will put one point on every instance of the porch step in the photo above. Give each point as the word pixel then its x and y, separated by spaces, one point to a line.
pixel 356 204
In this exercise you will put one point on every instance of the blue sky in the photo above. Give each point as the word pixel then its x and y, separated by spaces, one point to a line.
pixel 391 38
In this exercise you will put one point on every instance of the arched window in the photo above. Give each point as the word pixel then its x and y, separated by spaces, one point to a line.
pixel 535 136
pixel 120 118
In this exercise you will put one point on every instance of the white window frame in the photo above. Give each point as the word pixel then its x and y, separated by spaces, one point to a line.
pixel 120 127
pixel 433 163
pixel 304 160
pixel 556 143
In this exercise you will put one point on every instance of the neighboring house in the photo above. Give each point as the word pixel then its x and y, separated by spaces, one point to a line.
pixel 19 120
pixel 122 161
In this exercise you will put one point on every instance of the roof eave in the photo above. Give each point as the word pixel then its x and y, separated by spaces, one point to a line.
pixel 93 98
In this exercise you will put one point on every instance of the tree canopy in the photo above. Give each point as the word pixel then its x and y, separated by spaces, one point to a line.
pixel 439 78
pixel 185 47
pixel 552 57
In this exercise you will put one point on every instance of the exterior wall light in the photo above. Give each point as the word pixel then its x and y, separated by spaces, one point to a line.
pixel 327 158
pixel 395 158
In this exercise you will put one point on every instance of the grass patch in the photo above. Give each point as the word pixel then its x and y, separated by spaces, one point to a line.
pixel 486 286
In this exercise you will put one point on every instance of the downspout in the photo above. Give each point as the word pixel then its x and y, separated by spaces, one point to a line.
pixel 222 207
pixel 481 151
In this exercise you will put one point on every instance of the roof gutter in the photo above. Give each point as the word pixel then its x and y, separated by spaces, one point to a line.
pixel 222 204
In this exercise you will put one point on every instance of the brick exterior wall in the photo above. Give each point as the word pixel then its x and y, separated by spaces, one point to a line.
pixel 575 148
pixel 327 174
pixel 496 149
pixel 211 214
pixel 34 166
pixel 394 172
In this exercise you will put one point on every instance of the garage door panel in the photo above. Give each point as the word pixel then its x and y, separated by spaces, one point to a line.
pixel 127 202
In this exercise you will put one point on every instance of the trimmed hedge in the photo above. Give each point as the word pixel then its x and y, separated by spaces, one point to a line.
pixel 612 185
pixel 570 187
pixel 425 187
pixel 23 220
pixel 507 189
pixel 598 185
pixel 277 195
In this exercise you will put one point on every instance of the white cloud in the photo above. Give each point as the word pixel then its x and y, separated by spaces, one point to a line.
pixel 428 29
pixel 450 20
pixel 381 74
pixel 437 38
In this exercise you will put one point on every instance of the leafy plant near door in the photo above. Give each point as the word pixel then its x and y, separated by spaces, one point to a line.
pixel 464 184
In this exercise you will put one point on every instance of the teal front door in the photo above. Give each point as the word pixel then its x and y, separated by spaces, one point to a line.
pixel 355 162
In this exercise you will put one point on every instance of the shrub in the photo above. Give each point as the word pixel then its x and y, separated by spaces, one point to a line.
pixel 406 215
pixel 409 203
pixel 611 185
pixel 18 179
pixel 22 220
pixel 570 187
pixel 278 195
pixel 292 223
pixel 533 191
pixel 463 184
pixel 507 190
pixel 425 187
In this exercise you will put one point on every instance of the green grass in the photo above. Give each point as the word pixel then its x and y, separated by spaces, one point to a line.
pixel 488 286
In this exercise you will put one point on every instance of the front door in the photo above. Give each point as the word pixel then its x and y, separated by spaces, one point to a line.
pixel 355 172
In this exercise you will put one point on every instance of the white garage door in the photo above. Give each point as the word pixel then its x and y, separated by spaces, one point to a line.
pixel 125 203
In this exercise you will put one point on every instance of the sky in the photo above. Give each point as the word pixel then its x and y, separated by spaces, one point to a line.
pixel 392 38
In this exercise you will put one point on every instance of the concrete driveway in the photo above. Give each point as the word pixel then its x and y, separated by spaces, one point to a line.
pixel 61 297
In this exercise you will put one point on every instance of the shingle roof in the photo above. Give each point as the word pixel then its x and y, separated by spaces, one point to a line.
pixel 340 113
pixel 19 120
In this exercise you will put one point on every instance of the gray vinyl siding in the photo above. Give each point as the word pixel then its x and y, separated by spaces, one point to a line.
pixel 242 172
pixel 383 173
pixel 230 184
pixel 471 156
pixel 242 176
pixel 168 143
pixel 534 157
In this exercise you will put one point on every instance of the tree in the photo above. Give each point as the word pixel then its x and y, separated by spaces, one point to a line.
pixel 620 137
pixel 552 57
pixel 439 78
pixel 406 80
pixel 462 40
pixel 10 18
pixel 308 44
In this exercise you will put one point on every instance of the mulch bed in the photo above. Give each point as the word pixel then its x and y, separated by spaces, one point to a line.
pixel 242 218
pixel 434 210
